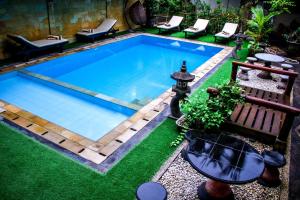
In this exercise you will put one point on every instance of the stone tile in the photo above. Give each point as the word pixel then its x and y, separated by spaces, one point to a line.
pixel 155 102
pixel 139 125
pixel 67 134
pixel 124 137
pixel 122 127
pixel 150 115
pixel 25 114
pixel 53 127
pixel 53 137
pixel 86 142
pixel 39 121
pixel 37 129
pixel 96 147
pixel 160 107
pixel 9 115
pixel 72 146
pixel 146 109
pixel 20 65
pixel 12 108
pixel 137 116
pixel 92 156
pixel 110 148
pixel 168 100
pixel 76 138
pixel 107 138
pixel 22 122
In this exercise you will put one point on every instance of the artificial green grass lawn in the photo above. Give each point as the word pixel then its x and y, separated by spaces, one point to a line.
pixel 30 170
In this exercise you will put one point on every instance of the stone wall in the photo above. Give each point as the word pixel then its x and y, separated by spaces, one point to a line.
pixel 29 18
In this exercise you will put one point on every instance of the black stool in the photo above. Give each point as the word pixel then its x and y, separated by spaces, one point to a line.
pixel 273 160
pixel 151 191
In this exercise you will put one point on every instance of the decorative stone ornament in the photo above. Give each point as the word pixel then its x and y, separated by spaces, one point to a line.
pixel 181 88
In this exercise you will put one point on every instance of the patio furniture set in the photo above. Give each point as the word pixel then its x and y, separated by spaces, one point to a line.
pixel 200 26
pixel 225 160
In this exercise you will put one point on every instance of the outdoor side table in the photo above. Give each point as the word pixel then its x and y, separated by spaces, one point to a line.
pixel 224 160
pixel 268 60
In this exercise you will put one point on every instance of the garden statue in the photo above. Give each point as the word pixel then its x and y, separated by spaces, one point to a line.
pixel 181 88
pixel 240 37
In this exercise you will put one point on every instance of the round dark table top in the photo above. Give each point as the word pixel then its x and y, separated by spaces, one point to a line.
pixel 224 158
pixel 269 57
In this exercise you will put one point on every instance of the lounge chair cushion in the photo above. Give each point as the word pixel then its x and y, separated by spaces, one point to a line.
pixel 199 26
pixel 104 27
pixel 48 42
pixel 173 23
pixel 38 43
pixel 228 30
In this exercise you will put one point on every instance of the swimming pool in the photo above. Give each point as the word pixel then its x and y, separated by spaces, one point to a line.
pixel 134 70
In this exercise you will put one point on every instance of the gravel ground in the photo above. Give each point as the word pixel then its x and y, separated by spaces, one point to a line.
pixel 181 181
pixel 256 82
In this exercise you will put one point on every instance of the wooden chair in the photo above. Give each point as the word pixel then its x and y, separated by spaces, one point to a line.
pixel 266 116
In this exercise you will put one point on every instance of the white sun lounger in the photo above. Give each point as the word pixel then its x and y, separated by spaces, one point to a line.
pixel 104 28
pixel 174 23
pixel 198 27
pixel 29 47
pixel 228 31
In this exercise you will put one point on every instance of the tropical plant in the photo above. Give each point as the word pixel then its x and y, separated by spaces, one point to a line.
pixel 281 6
pixel 203 9
pixel 245 13
pixel 259 26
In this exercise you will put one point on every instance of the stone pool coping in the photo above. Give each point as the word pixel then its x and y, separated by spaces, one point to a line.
pixel 98 151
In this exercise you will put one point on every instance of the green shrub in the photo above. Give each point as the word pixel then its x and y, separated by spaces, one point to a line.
pixel 217 17
pixel 211 113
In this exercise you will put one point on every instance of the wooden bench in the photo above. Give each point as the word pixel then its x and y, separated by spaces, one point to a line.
pixel 266 116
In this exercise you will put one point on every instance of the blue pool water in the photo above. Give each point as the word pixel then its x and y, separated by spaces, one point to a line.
pixel 87 116
pixel 134 70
